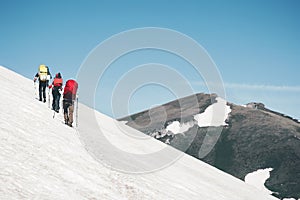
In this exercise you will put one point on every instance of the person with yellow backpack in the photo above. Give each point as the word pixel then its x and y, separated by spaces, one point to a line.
pixel 44 77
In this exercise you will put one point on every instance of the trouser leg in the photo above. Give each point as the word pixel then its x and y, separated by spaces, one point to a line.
pixel 57 98
pixel 66 114
pixel 71 110
pixel 40 91
pixel 44 92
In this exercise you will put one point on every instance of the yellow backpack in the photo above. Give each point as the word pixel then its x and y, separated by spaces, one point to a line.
pixel 43 72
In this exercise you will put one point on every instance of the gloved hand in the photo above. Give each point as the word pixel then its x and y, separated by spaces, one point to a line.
pixel 50 86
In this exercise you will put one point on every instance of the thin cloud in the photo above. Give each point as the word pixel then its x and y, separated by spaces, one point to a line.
pixel 262 87
pixel 241 86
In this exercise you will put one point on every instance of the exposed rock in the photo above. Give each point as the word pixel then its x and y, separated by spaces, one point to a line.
pixel 255 138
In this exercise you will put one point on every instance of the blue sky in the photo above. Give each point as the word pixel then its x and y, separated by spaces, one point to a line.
pixel 255 44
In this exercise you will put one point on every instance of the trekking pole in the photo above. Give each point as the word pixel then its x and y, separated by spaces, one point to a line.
pixel 76 111
pixel 35 89
pixel 48 97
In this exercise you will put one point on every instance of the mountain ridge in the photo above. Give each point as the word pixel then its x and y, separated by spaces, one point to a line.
pixel 255 138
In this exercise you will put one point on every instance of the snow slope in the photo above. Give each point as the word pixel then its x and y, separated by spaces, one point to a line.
pixel 41 158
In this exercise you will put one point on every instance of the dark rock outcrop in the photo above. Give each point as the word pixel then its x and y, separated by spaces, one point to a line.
pixel 255 138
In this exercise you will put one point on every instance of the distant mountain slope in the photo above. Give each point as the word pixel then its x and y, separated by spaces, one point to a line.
pixel 254 138
pixel 41 158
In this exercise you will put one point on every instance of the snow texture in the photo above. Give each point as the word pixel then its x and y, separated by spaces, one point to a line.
pixel 214 115
pixel 41 158
pixel 258 179
pixel 176 128
pixel 290 199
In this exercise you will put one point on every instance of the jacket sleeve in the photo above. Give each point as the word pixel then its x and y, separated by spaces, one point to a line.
pixel 48 72
pixel 62 84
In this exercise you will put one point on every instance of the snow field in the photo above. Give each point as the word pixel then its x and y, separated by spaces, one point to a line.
pixel 41 158
pixel 214 115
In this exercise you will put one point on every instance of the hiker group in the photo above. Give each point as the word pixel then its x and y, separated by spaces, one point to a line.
pixel 69 92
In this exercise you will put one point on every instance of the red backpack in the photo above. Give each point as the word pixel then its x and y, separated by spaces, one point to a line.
pixel 57 82
pixel 70 90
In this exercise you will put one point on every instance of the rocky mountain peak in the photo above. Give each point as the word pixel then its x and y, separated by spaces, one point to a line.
pixel 253 137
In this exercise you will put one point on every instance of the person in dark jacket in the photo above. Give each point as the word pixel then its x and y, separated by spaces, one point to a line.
pixel 56 91
pixel 43 82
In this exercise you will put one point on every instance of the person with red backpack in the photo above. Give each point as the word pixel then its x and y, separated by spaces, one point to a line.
pixel 56 91
pixel 69 97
